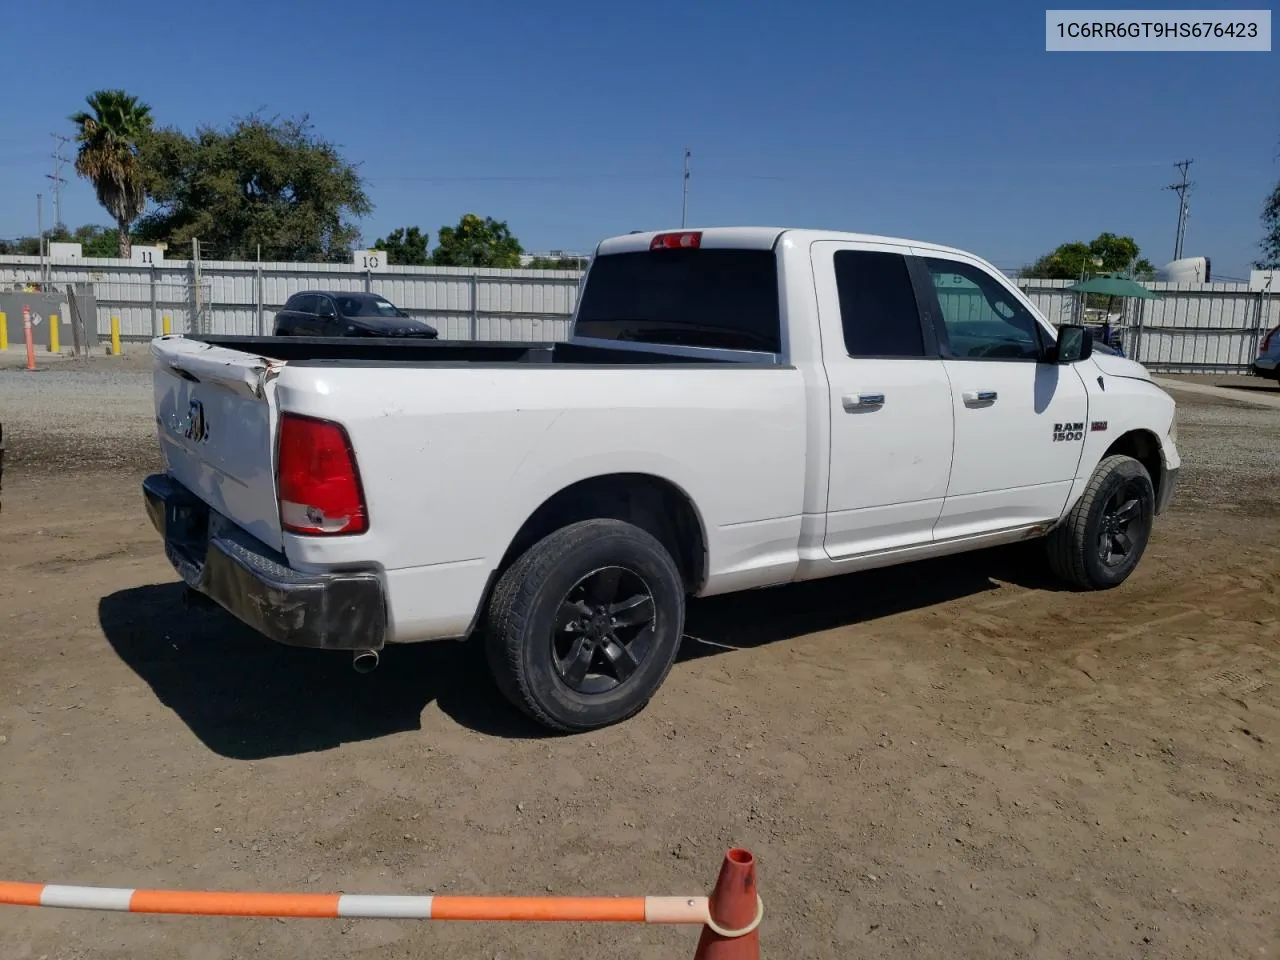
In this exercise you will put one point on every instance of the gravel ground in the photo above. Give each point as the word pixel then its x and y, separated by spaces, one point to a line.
pixel 73 414
pixel 1223 468
pixel 953 759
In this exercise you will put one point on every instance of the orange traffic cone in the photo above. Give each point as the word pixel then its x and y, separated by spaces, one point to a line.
pixel 735 910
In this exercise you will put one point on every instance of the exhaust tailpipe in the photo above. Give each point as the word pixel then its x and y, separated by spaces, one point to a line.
pixel 364 661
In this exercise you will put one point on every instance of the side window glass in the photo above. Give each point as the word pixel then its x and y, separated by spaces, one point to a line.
pixel 324 308
pixel 302 303
pixel 877 305
pixel 980 319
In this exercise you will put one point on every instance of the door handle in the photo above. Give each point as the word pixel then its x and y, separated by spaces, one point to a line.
pixel 862 401
pixel 980 396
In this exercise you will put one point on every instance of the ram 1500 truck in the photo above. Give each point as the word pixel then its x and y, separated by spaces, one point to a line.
pixel 736 408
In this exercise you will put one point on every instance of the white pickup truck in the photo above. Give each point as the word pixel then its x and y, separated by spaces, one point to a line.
pixel 737 408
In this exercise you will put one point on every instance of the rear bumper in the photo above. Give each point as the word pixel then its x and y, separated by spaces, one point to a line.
pixel 1264 367
pixel 1168 483
pixel 328 611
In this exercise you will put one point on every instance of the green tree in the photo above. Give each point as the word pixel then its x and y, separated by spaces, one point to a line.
pixel 1106 253
pixel 477 243
pixel 258 185
pixel 558 263
pixel 21 247
pixel 405 245
pixel 95 241
pixel 1270 259
pixel 109 156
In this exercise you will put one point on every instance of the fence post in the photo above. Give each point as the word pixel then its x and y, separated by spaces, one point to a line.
pixel 368 281
pixel 78 337
pixel 1259 327
pixel 1137 331
pixel 155 316
pixel 475 306
pixel 258 295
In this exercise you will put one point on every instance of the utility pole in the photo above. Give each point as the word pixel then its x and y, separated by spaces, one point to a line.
pixel 684 199
pixel 1181 189
pixel 56 176
pixel 40 234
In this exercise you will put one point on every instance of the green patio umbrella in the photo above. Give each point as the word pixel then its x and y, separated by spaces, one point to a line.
pixel 1114 285
pixel 1111 285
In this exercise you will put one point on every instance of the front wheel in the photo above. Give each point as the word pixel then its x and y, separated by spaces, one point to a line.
pixel 583 628
pixel 1101 540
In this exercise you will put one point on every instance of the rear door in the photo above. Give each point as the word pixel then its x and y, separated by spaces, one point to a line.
pixel 890 401
pixel 294 318
pixel 216 420
pixel 1020 421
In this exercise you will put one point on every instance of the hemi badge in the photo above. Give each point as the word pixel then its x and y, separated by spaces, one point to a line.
pixel 1098 425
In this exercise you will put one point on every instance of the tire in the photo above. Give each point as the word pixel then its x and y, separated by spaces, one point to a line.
pixel 1075 547
pixel 552 646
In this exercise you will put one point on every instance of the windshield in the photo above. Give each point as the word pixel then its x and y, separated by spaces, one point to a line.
pixel 707 298
pixel 367 307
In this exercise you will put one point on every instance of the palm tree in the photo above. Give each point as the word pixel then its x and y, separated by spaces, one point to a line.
pixel 108 156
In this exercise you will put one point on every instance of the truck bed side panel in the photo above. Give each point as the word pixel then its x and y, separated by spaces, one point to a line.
pixel 454 461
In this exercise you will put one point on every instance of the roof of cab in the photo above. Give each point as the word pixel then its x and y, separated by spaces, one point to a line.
pixel 757 238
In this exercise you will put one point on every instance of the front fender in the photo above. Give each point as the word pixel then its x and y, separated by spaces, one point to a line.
pixel 1130 414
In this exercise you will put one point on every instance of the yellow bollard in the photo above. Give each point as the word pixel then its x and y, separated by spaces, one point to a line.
pixel 166 325
pixel 115 336
pixel 53 333
pixel 4 332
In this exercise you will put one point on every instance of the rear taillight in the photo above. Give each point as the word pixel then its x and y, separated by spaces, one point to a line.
pixel 317 480
pixel 1266 341
pixel 684 240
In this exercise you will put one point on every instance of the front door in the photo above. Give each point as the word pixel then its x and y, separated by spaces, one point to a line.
pixel 1020 420
pixel 890 401
pixel 326 318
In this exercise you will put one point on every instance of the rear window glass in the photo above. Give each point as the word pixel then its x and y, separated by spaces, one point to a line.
pixel 877 305
pixel 366 307
pixel 705 298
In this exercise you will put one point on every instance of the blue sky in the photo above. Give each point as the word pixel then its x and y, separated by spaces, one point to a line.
pixel 936 120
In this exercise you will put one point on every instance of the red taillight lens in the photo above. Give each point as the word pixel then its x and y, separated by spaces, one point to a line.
pixel 1266 341
pixel 317 480
pixel 685 240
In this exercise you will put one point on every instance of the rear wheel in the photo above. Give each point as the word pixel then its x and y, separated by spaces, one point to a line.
pixel 583 628
pixel 1101 540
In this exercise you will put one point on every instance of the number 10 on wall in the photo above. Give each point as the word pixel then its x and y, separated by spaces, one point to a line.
pixel 374 260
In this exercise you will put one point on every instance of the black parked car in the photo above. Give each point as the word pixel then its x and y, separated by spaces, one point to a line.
pixel 323 313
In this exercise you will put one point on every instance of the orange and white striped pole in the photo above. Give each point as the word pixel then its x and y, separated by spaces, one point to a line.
pixel 693 911
pixel 677 910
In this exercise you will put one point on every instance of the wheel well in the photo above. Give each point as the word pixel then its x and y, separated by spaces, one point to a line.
pixel 650 503
pixel 1143 446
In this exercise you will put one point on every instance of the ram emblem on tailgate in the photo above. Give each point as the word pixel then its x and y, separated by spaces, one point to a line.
pixel 197 426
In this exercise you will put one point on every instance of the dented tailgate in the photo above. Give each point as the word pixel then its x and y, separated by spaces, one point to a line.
pixel 216 422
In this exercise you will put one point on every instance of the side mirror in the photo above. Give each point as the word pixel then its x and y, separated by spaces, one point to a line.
pixel 1075 343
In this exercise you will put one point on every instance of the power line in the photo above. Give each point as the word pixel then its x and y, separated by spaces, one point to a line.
pixel 1182 189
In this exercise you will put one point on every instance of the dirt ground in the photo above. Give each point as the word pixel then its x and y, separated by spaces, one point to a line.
pixel 953 759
